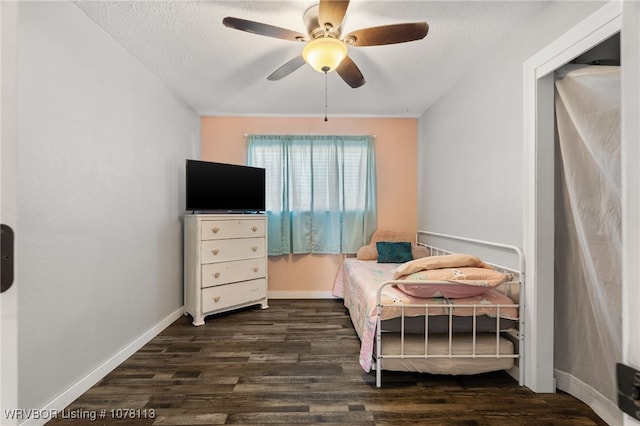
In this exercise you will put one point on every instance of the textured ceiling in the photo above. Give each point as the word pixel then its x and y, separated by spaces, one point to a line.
pixel 221 71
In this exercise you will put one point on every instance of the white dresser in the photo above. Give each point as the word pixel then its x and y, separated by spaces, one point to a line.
pixel 225 263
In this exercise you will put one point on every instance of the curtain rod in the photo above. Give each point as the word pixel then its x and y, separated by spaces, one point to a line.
pixel 246 135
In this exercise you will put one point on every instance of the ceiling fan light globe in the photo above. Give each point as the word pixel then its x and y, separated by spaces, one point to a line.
pixel 324 53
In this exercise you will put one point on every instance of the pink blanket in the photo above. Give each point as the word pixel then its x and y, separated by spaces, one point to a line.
pixel 358 282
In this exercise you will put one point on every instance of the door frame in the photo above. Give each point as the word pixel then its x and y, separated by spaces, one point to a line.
pixel 8 204
pixel 538 191
pixel 630 152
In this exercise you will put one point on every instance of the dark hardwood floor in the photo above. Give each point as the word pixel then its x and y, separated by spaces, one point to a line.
pixel 297 363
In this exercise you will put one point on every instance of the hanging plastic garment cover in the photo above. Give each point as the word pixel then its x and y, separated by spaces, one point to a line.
pixel 588 228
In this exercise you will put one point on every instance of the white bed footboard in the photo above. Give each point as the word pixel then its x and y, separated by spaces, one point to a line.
pixel 457 353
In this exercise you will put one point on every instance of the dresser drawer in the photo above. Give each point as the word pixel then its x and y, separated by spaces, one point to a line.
pixel 225 250
pixel 241 228
pixel 229 295
pixel 229 272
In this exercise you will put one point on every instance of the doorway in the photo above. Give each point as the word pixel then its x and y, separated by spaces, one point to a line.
pixel 538 167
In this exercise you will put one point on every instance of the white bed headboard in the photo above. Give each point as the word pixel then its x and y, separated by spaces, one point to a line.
pixel 502 256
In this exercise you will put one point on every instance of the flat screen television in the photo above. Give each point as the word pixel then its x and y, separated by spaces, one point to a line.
pixel 221 187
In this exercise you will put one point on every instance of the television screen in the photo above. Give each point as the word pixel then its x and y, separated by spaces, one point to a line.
pixel 220 187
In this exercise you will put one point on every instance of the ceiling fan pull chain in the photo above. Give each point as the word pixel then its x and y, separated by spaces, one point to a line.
pixel 325 69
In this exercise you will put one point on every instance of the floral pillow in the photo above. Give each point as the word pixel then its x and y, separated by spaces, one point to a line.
pixel 454 283
pixel 455 260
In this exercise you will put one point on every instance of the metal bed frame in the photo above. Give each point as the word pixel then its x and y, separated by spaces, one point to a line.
pixel 516 335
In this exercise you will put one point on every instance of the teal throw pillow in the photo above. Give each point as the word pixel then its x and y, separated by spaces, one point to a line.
pixel 393 252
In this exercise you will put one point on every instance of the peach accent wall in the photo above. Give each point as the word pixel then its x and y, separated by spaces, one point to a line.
pixel 223 140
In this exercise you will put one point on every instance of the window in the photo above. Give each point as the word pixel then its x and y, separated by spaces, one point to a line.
pixel 320 191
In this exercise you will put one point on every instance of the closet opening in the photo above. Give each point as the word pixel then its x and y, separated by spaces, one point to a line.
pixel 539 201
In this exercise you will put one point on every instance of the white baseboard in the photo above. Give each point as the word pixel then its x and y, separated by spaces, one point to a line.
pixel 603 407
pixel 84 384
pixel 300 295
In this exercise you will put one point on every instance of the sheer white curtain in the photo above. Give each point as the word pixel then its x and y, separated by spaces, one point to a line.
pixel 588 226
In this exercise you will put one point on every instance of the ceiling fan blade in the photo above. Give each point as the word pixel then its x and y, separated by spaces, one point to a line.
pixel 388 34
pixel 350 73
pixel 287 68
pixel 332 12
pixel 263 29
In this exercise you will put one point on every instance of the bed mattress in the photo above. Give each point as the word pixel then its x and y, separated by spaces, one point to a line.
pixel 440 324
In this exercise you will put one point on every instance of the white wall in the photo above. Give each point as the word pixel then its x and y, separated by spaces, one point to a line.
pixel 101 153
pixel 470 142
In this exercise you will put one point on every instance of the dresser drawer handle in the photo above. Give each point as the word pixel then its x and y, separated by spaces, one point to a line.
pixel 255 269
pixel 215 251
pixel 254 248
pixel 216 275
pixel 254 228
pixel 216 299
pixel 215 230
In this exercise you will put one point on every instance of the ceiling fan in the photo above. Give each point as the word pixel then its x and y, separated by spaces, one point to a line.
pixel 325 47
